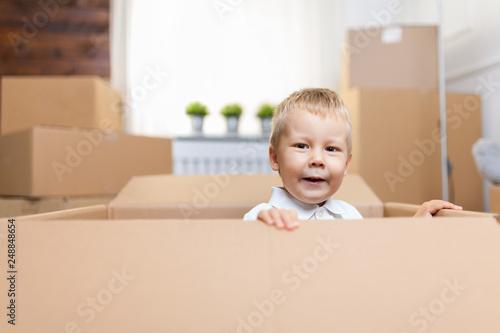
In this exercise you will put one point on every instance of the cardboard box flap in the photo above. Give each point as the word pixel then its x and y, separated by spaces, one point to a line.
pixel 358 193
pixel 95 212
pixel 373 275
pixel 176 189
pixel 218 195
pixel 397 209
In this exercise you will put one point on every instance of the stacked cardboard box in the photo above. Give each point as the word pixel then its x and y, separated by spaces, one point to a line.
pixel 495 199
pixel 219 196
pixel 62 137
pixel 389 84
pixel 20 206
pixel 72 101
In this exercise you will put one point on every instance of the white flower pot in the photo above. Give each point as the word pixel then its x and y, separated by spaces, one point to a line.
pixel 197 123
pixel 266 125
pixel 232 124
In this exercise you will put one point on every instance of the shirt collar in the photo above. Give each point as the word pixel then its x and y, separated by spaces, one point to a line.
pixel 281 199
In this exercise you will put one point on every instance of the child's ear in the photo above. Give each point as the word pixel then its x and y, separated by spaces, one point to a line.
pixel 273 159
pixel 347 164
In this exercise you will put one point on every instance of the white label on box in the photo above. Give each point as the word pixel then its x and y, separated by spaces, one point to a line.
pixel 392 35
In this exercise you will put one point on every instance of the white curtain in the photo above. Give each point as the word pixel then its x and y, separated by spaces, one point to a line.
pixel 225 51
pixel 120 24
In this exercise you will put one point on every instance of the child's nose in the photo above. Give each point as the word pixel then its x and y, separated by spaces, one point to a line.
pixel 317 160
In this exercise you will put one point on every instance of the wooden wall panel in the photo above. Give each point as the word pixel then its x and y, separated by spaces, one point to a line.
pixel 54 37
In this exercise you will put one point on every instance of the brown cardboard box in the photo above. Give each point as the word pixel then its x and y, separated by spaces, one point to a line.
pixel 495 199
pixel 95 212
pixel 391 58
pixel 218 196
pixel 18 206
pixel 75 101
pixel 373 275
pixel 397 145
pixel 56 161
pixel 397 209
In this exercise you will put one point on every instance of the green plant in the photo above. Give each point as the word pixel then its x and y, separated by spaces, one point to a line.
pixel 232 110
pixel 196 108
pixel 266 110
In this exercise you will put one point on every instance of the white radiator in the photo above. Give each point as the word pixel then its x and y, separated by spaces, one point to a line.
pixel 203 155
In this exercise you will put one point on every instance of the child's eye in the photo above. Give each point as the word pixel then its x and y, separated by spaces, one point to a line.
pixel 301 146
pixel 331 149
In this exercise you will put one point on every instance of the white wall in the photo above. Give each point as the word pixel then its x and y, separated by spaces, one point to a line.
pixel 473 61
pixel 473 64
pixel 224 51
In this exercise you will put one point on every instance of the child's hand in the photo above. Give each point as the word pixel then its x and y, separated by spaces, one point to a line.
pixel 430 208
pixel 280 218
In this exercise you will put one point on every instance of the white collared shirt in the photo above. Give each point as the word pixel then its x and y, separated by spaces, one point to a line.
pixel 281 199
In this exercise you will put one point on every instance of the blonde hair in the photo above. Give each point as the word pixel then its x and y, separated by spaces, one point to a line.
pixel 318 101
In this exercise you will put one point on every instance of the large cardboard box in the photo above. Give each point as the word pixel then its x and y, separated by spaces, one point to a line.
pixel 495 199
pixel 373 275
pixel 397 144
pixel 56 161
pixel 219 196
pixel 18 206
pixel 79 101
pixel 391 58
pixel 94 212
pixel 398 209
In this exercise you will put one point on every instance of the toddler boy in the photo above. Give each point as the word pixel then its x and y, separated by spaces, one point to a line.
pixel 310 147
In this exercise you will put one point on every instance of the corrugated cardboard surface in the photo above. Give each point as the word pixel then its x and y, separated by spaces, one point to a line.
pixel 219 196
pixel 79 101
pixel 373 275
pixel 57 161
pixel 397 145
pixel 392 58
pixel 18 206
pixel 94 212
pixel 495 199
pixel 397 209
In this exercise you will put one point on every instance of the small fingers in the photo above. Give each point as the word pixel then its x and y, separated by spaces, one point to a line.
pixel 289 218
pixel 430 208
pixel 280 218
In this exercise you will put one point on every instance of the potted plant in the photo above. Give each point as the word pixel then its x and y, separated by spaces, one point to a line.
pixel 265 113
pixel 197 111
pixel 232 112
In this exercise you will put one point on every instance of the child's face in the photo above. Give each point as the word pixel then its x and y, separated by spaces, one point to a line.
pixel 312 156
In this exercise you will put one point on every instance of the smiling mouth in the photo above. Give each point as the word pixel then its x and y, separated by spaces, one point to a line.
pixel 314 180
